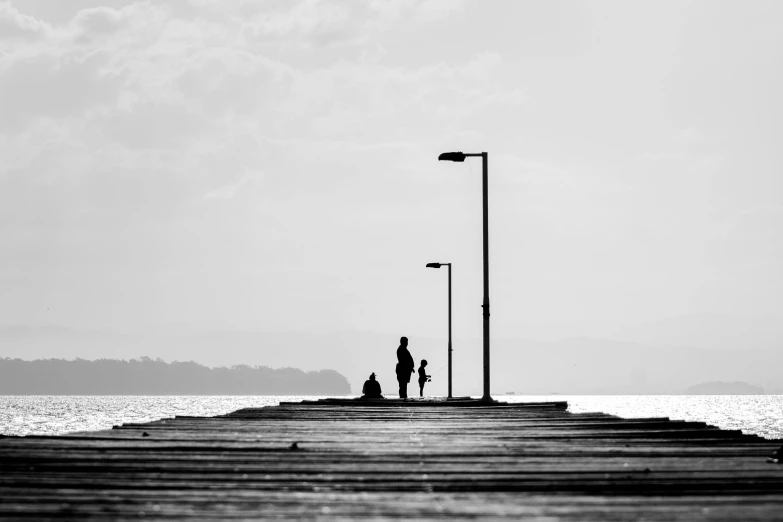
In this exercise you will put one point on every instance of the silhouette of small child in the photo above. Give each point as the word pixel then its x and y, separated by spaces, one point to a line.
pixel 423 377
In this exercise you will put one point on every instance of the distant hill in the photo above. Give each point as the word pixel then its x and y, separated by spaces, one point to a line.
pixel 725 388
pixel 155 377
pixel 578 365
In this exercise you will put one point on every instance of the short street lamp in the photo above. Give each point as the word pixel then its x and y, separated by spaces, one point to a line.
pixel 460 157
pixel 438 265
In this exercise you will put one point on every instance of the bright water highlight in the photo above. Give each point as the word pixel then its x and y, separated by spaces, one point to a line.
pixel 54 415
pixel 753 414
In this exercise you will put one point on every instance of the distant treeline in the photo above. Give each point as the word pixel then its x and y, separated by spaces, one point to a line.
pixel 145 376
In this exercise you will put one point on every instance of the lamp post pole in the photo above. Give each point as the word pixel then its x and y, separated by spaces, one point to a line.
pixel 460 157
pixel 485 305
pixel 438 265
pixel 450 349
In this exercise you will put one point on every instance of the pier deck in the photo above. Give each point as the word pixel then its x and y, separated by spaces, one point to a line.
pixel 339 459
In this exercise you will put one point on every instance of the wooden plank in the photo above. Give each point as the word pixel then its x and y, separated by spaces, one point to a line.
pixel 416 459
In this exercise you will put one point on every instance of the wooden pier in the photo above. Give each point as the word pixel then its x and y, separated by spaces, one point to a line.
pixel 343 459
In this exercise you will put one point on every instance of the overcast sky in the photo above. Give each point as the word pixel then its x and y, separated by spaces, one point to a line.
pixel 272 165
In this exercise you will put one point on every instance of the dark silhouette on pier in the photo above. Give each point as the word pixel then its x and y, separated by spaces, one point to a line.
pixel 405 367
pixel 371 388
pixel 423 377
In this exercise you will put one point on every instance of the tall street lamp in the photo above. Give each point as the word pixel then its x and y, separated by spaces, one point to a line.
pixel 438 265
pixel 460 157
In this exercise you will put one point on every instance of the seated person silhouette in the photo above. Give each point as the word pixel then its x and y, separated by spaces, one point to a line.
pixel 423 377
pixel 371 388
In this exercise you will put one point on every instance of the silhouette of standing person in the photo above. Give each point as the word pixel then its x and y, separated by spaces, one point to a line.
pixel 405 367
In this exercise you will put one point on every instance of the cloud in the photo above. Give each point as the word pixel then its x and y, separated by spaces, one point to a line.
pixel 177 88
pixel 50 86
pixel 124 130
pixel 230 190
pixel 515 170
pixel 690 136
pixel 749 241
pixel 320 22
pixel 115 66
pixel 652 157
pixel 17 26
pixel 100 21
pixel 153 95
pixel 437 10
pixel 339 101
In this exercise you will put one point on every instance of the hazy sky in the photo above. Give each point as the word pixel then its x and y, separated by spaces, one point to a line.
pixel 272 165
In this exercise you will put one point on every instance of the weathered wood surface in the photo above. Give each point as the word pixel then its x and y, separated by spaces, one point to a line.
pixel 412 460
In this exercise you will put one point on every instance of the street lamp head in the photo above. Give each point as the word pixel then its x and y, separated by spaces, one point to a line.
pixel 433 265
pixel 452 156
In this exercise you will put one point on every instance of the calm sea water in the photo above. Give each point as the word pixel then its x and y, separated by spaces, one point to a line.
pixel 52 415
pixel 753 414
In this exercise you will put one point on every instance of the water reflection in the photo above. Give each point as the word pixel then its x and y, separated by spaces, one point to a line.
pixel 55 415
pixel 753 414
